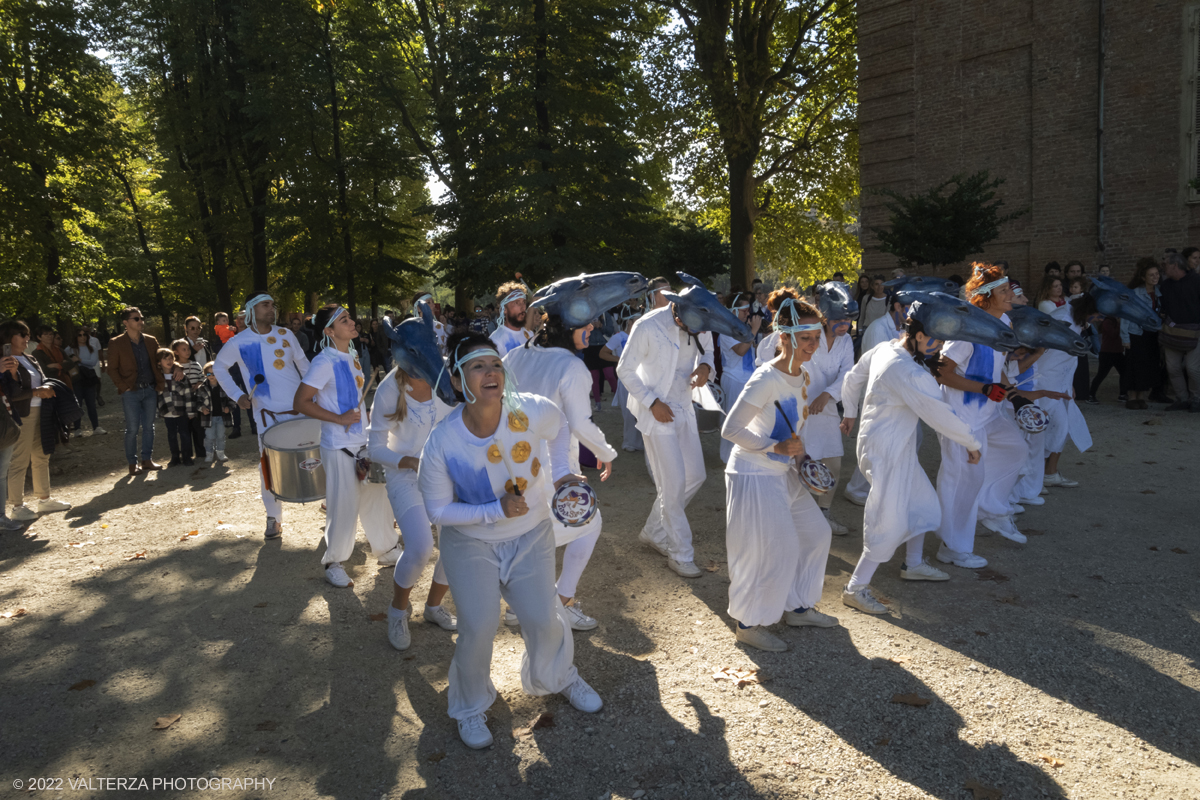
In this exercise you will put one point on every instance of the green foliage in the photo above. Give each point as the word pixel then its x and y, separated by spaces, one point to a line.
pixel 686 247
pixel 936 227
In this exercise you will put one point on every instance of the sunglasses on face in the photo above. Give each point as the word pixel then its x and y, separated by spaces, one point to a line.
pixel 135 319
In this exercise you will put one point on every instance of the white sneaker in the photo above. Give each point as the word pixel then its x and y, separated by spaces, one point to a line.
pixel 23 513
pixel 1033 501
pixel 964 560
pixel 853 498
pixel 838 528
pixel 1044 492
pixel 474 733
pixel 579 620
pixel 50 505
pixel 100 431
pixel 653 545
pixel 922 572
pixel 582 696
pixel 398 633
pixel 390 558
pixel 760 638
pixel 809 619
pixel 684 569
pixel 1058 480
pixel 7 524
pixel 1017 508
pixel 87 434
pixel 441 617
pixel 863 600
pixel 337 576
pixel 510 618
pixel 208 458
pixel 221 455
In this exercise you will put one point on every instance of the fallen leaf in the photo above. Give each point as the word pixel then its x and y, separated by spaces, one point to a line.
pixel 267 725
pixel 740 677
pixel 220 522
pixel 543 720
pixel 982 792
pixel 910 699
pixel 1096 577
pixel 981 633
pixel 187 511
pixel 1153 421
pixel 713 566
pixel 436 757
pixel 1149 462
pixel 900 659
pixel 377 617
pixel 162 723
pixel 141 554
pixel 193 533
pixel 883 742
pixel 1149 491
pixel 260 605
pixel 20 612
pixel 1051 760
pixel 1153 548
pixel 224 526
pixel 1179 550
pixel 1075 596
pixel 79 687
pixel 409 658
pixel 1010 599
pixel 989 574
pixel 105 525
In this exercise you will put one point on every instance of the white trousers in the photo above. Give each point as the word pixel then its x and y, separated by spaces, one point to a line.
pixel 576 556
pixel 409 510
pixel 1033 471
pixel 859 487
pixel 631 437
pixel 731 389
pixel 271 503
pixel 520 570
pixel 777 541
pixel 677 464
pixel 347 500
pixel 968 493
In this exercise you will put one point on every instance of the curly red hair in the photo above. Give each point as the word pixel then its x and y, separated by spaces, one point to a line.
pixel 803 310
pixel 982 273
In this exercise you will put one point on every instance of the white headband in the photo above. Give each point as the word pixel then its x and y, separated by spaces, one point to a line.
pixel 250 308
pixel 988 287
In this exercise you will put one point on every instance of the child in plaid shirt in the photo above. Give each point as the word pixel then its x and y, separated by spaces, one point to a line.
pixel 214 415
pixel 193 373
pixel 177 404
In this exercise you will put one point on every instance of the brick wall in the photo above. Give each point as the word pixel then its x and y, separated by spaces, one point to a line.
pixel 1012 86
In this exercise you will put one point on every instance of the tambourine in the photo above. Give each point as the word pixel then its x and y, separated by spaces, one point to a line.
pixel 816 476
pixel 1032 419
pixel 717 392
pixel 574 504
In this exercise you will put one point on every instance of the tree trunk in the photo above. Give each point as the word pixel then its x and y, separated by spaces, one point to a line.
pixel 260 187
pixel 53 261
pixel 742 215
pixel 155 275
pixel 343 203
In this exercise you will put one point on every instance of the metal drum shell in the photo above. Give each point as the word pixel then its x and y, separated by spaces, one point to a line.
pixel 297 474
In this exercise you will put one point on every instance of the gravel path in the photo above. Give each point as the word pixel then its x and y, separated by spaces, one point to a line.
pixel 1070 671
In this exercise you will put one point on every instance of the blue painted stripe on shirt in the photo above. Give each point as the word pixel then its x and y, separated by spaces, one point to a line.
pixel 980 368
pixel 252 358
pixel 471 485
pixel 347 390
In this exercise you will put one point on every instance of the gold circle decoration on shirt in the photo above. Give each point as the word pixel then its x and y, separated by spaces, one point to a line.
pixel 517 421
pixel 521 451
pixel 279 352
pixel 535 467
pixel 270 340
pixel 358 379
pixel 521 484
pixel 286 343
pixel 279 364
pixel 804 413
pixel 283 331
pixel 358 365
pixel 494 454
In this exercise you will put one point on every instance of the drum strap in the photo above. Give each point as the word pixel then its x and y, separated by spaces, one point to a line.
pixel 362 464
pixel 264 412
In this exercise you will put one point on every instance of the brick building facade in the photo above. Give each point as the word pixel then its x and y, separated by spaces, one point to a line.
pixel 1015 87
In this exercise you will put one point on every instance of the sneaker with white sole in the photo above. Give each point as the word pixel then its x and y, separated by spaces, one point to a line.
pixel 398 633
pixel 760 638
pixel 1017 508
pixel 50 505
pixel 922 572
pixel 441 617
pixel 809 619
pixel 23 513
pixel 86 434
pixel 208 457
pixel 653 545
pixel 964 560
pixel 337 576
pixel 1044 492
pixel 1033 501
pixel 1005 527
pixel 579 620
pixel 838 528
pixel 510 618
pixel 582 696
pixel 684 569
pixel 474 733
pixel 99 431
pixel 855 499
pixel 274 528
pixel 221 456
pixel 7 524
pixel 389 558
pixel 864 601
pixel 1058 480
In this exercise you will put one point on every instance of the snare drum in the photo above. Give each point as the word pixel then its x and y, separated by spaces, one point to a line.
pixel 292 460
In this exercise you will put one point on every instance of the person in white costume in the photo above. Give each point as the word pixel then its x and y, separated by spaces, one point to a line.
pixel 737 359
pixel 631 437
pixel 776 537
pixel 275 354
pixel 1057 373
pixel 663 361
pixel 548 367
pixel 479 479
pixel 827 368
pixel 333 392
pixel 403 413
pixel 511 332
pixel 887 328
pixel 902 504
pixel 973 383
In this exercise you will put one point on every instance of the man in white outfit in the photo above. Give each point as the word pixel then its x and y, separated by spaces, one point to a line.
pixel 659 366
pixel 513 333
pixel 262 349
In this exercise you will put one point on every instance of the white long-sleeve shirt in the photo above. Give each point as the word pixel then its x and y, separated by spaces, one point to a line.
pixel 390 439
pixel 755 425
pixel 880 331
pixel 657 354
pixel 276 355
pixel 506 339
pixel 462 477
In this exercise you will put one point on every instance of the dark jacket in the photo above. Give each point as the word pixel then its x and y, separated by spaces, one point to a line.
pixel 59 413
pixel 1181 299
pixel 19 390
pixel 122 367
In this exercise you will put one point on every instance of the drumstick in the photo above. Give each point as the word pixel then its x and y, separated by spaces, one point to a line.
pixel 364 397
pixel 512 476
pixel 779 408
pixel 259 380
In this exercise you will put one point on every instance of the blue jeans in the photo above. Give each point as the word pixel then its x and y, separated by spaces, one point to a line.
pixel 214 434
pixel 140 407
pixel 5 460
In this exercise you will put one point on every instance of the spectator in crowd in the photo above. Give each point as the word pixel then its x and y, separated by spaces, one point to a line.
pixel 50 356
pixel 296 323
pixel 897 273
pixel 1081 383
pixel 134 369
pixel 222 328
pixel 200 352
pixel 875 306
pixel 235 371
pixel 362 345
pixel 1105 271
pixel 1191 255
pixel 1181 331
pixel 1142 374
pixel 1053 270
pixel 23 382
pixel 479 324
pixel 1074 270
pixel 86 352
pixel 187 368
pixel 177 404
pixel 1112 356
pixel 10 432
pixel 214 414
pixel 864 289
pixel 1050 296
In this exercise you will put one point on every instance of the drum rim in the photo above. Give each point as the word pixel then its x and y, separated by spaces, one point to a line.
pixel 293 448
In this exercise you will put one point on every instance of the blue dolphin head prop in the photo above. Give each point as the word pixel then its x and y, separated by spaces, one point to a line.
pixel 920 283
pixel 948 318
pixel 581 300
pixel 1036 329
pixel 698 309
pixel 1115 299
pixel 415 350
pixel 834 300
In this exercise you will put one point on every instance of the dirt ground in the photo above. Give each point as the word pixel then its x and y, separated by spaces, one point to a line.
pixel 1068 671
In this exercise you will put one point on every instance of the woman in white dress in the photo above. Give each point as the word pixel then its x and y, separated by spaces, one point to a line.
pixel 737 359
pixel 1057 373
pixel 827 368
pixel 901 505
pixel 479 479
pixel 776 537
